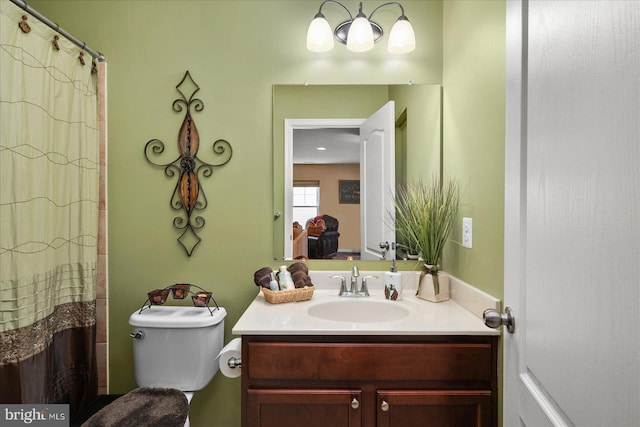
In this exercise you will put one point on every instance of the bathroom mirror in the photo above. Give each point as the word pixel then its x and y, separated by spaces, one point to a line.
pixel 304 115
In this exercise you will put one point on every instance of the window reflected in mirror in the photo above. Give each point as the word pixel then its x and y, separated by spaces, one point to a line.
pixel 306 201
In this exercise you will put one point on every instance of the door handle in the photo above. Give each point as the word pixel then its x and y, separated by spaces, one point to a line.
pixel 385 247
pixel 384 406
pixel 494 319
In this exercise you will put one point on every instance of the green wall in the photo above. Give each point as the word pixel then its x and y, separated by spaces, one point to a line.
pixel 422 106
pixel 236 51
pixel 473 128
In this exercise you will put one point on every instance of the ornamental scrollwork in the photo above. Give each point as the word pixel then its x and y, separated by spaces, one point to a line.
pixel 188 196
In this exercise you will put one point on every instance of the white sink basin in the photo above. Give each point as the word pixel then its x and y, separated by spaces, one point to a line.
pixel 359 311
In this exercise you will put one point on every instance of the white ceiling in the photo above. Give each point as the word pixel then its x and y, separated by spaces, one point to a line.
pixel 342 145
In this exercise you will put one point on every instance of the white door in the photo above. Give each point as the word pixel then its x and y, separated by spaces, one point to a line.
pixel 377 183
pixel 572 218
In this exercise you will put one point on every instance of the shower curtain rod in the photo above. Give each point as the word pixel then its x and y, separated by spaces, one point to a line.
pixel 24 6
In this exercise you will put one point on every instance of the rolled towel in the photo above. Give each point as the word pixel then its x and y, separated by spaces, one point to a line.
pixel 262 277
pixel 301 279
pixel 308 282
pixel 298 266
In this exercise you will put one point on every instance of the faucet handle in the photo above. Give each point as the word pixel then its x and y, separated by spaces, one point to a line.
pixel 364 290
pixel 354 271
pixel 343 286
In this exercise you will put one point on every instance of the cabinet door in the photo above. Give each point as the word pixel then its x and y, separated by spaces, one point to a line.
pixel 435 408
pixel 308 408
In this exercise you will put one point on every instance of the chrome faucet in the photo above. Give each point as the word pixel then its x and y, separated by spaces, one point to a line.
pixel 353 290
pixel 364 289
pixel 355 273
pixel 343 287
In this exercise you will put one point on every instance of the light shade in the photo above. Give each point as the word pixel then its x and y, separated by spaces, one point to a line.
pixel 402 38
pixel 360 36
pixel 319 35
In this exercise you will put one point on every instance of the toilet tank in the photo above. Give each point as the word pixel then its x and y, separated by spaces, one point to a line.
pixel 177 346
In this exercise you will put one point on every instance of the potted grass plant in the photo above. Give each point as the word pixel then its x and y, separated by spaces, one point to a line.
pixel 425 214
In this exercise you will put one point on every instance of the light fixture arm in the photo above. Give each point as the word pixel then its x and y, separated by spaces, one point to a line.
pixel 402 15
pixel 320 15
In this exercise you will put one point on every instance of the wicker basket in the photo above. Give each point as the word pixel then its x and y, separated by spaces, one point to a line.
pixel 291 295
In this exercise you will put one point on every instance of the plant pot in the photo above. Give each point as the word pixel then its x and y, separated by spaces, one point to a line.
pixel 426 289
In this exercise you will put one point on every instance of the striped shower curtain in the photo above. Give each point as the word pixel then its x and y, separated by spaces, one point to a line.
pixel 48 215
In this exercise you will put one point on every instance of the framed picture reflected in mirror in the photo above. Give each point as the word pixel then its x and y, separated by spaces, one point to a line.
pixel 349 191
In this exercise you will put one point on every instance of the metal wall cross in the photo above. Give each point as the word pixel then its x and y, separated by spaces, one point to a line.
pixel 188 195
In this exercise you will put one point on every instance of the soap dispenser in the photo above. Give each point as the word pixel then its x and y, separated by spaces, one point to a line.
pixel 393 283
pixel 286 282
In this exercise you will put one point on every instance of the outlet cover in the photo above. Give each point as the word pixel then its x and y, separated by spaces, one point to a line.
pixel 467 232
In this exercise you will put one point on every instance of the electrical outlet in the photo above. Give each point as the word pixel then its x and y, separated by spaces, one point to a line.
pixel 467 232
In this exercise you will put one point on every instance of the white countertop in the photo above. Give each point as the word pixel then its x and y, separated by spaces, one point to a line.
pixel 424 318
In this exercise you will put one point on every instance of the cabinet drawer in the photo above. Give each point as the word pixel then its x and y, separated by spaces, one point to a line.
pixel 369 361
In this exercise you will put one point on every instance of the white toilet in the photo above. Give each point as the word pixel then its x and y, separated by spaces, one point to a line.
pixel 177 346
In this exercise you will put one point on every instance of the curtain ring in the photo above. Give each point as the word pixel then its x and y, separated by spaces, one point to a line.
pixel 56 46
pixel 81 58
pixel 24 25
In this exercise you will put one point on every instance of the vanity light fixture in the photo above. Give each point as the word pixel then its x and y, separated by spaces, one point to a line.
pixel 360 33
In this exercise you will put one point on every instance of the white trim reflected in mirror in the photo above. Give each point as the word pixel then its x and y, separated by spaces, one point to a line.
pixel 289 126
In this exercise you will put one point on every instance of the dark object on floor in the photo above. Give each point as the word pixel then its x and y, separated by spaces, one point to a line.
pixel 144 407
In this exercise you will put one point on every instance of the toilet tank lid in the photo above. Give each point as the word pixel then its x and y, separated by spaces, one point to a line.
pixel 177 317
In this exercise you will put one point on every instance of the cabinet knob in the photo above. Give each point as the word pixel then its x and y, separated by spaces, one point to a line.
pixel 355 404
pixel 384 406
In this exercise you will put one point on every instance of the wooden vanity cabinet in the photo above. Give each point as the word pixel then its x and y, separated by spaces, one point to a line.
pixel 369 381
